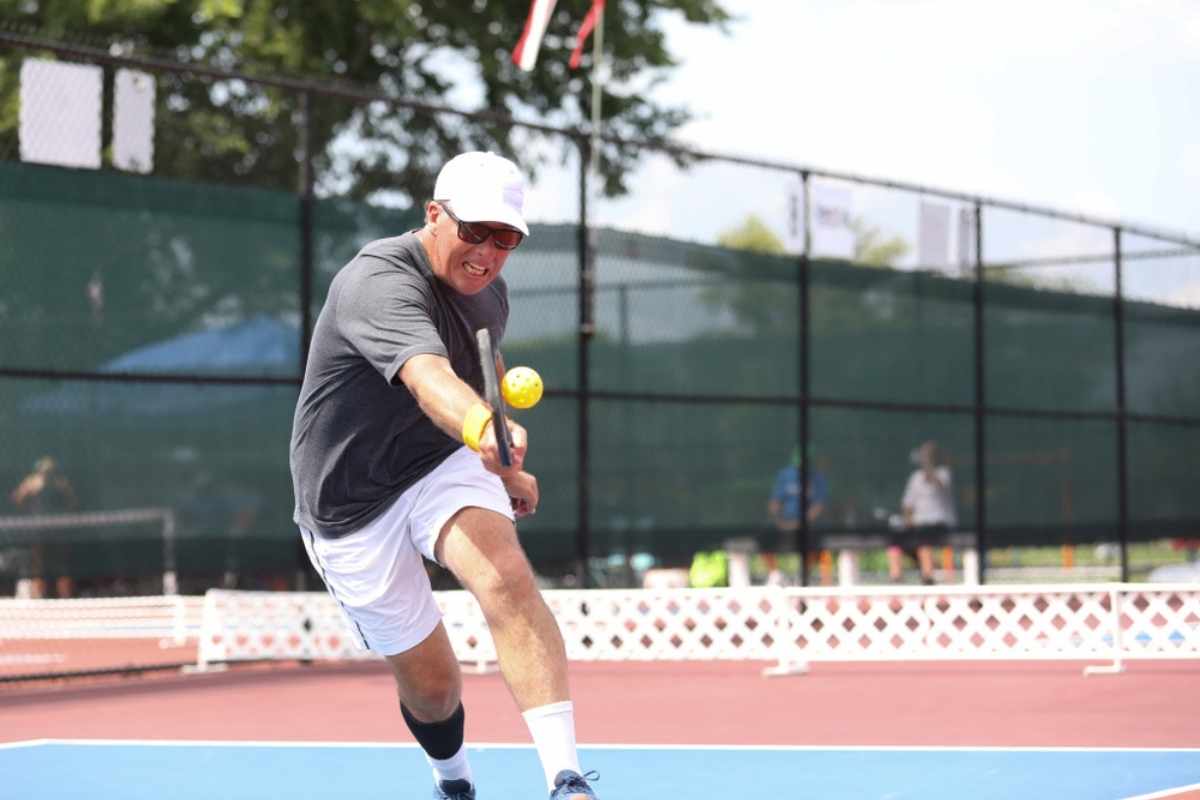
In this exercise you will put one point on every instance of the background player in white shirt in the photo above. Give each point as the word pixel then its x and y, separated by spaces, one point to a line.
pixel 928 512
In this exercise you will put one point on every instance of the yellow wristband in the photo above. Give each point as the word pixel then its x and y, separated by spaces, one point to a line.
pixel 478 416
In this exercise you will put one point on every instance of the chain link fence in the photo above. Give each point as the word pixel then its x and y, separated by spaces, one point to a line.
pixel 170 231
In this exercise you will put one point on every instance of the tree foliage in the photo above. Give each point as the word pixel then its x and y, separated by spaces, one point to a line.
pixel 872 248
pixel 752 235
pixel 170 257
pixel 429 51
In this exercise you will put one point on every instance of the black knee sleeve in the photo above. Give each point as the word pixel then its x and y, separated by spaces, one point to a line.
pixel 439 739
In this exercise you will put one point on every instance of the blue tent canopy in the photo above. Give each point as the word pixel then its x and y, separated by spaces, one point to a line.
pixel 258 347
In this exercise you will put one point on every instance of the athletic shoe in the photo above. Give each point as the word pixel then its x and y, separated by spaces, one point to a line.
pixel 570 785
pixel 454 790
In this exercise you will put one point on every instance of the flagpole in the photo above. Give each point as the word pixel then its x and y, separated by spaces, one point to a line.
pixel 597 84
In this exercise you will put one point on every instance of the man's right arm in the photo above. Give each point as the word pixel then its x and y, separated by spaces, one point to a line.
pixel 446 399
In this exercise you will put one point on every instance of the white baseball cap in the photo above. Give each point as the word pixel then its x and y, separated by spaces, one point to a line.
pixel 483 187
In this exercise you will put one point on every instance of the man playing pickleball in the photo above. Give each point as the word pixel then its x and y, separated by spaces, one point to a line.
pixel 393 458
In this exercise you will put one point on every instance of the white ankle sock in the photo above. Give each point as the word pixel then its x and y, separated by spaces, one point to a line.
pixel 455 767
pixel 553 730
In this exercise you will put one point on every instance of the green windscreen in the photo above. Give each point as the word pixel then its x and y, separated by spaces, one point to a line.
pixel 150 337
pixel 98 265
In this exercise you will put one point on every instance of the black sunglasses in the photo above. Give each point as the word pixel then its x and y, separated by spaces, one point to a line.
pixel 477 232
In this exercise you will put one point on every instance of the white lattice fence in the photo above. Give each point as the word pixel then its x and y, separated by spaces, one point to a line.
pixel 669 624
pixel 171 618
pixel 250 626
pixel 1159 624
pixel 1072 621
pixel 596 625
pixel 789 626
pixel 873 627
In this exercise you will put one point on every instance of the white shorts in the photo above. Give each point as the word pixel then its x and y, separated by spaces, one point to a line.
pixel 377 574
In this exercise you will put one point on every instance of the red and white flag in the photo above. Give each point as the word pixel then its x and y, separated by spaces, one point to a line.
pixel 524 55
pixel 585 30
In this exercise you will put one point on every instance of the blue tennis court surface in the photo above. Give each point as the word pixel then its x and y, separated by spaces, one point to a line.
pixel 208 770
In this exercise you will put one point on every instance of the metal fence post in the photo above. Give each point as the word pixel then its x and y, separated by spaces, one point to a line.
pixel 804 330
pixel 587 255
pixel 980 402
pixel 1122 441
pixel 306 227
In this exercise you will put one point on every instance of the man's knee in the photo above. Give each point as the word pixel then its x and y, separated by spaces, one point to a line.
pixel 434 699
pixel 428 680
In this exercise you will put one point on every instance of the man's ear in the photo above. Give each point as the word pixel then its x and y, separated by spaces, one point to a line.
pixel 433 212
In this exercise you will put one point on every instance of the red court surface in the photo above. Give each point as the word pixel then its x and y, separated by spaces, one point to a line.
pixel 1043 704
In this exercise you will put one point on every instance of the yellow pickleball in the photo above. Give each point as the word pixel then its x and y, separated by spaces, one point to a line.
pixel 521 387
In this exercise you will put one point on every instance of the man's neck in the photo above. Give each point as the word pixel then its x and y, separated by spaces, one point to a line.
pixel 426 240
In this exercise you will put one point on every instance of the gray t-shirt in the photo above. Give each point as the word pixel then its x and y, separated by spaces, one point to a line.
pixel 359 439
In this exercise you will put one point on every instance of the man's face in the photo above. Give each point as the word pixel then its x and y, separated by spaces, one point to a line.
pixel 467 268
pixel 928 455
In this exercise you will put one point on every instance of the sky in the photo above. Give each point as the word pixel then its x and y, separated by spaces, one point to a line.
pixel 1084 105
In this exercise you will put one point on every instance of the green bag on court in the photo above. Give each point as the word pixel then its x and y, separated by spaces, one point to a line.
pixel 710 568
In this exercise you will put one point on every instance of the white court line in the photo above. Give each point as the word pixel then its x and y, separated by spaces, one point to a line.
pixel 1165 793
pixel 26 743
pixel 233 743
pixel 614 746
